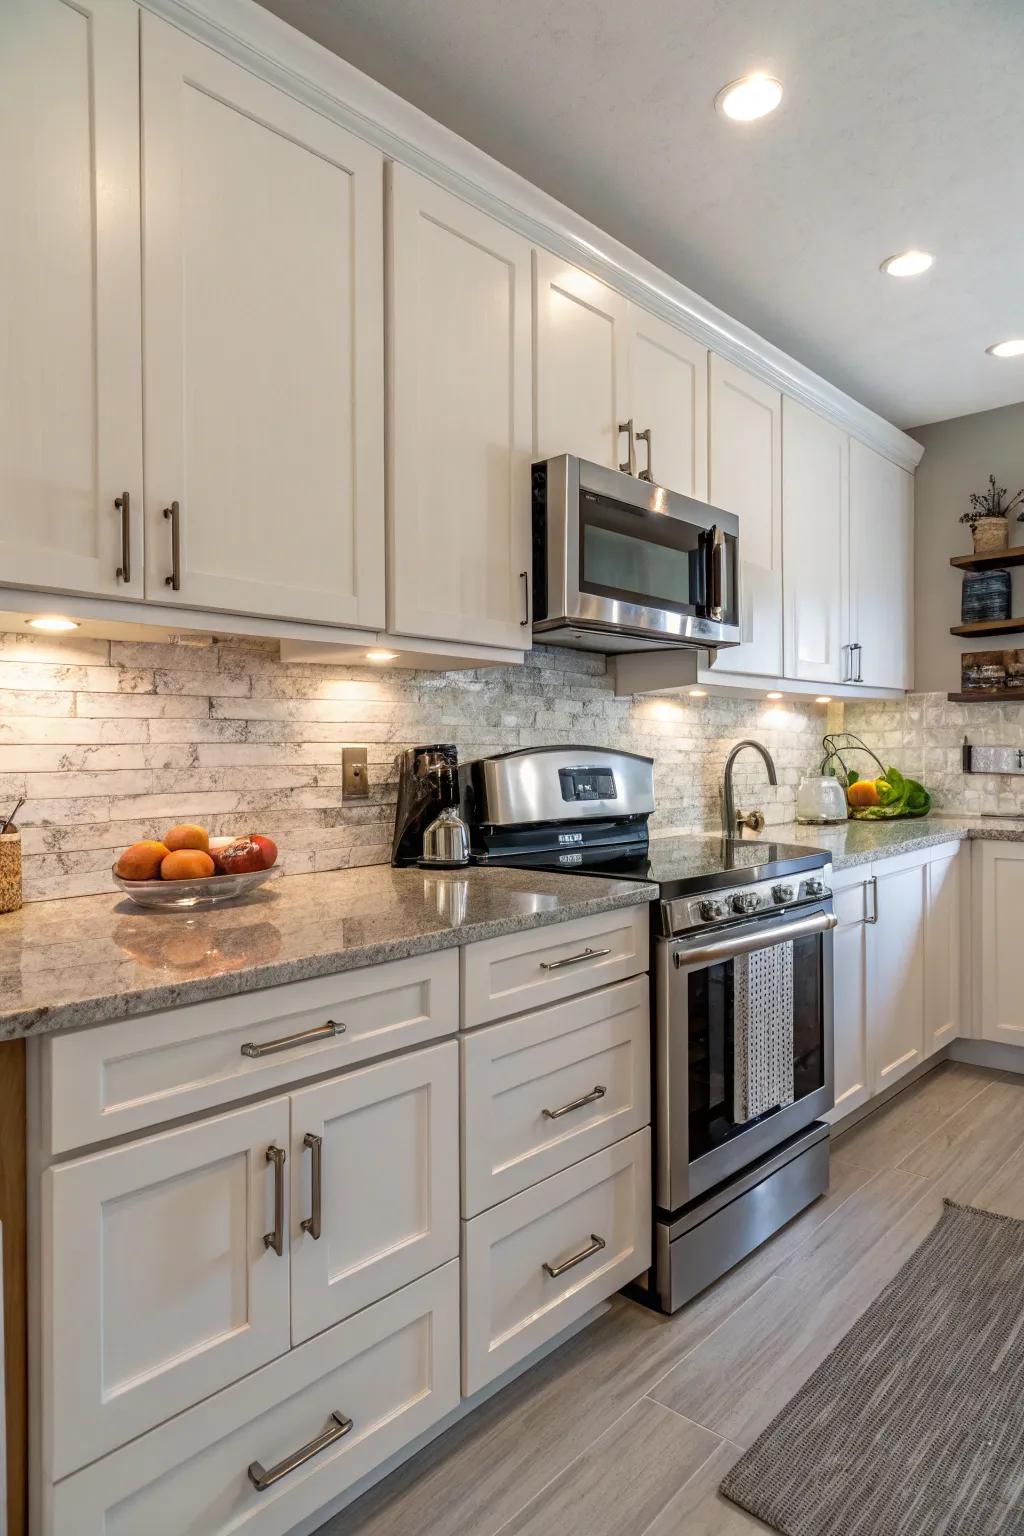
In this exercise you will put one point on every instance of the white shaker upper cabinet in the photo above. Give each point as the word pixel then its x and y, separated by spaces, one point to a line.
pixel 459 392
pixel 668 377
pixel 881 569
pixel 581 365
pixel 263 345
pixel 745 477
pixel 71 358
pixel 815 530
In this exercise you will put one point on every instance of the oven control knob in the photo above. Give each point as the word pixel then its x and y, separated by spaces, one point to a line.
pixel 711 911
pixel 782 893
pixel 746 901
pixel 815 887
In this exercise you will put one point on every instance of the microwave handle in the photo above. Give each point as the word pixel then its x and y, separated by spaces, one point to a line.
pixel 716 573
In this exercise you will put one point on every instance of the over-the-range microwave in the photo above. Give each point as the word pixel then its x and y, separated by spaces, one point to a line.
pixel 620 564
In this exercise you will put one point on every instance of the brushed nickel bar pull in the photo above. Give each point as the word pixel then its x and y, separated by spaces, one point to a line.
pixel 565 1109
pixel 525 579
pixel 174 579
pixel 873 883
pixel 757 938
pixel 123 503
pixel 311 1223
pixel 646 474
pixel 285 1043
pixel 275 1239
pixel 594 1246
pixel 262 1479
pixel 630 464
pixel 585 954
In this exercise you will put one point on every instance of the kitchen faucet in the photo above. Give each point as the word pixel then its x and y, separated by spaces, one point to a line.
pixel 733 821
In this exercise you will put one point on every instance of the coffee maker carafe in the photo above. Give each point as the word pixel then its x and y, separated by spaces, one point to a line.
pixel 419 797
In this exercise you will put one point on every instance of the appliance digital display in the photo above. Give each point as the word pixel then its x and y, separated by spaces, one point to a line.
pixel 587 783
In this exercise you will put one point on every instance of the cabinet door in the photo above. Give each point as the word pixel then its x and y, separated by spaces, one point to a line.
pixel 668 394
pixel 582 341
pixel 852 893
pixel 159 1285
pixel 881 569
pixel 71 358
pixel 896 1033
pixel 459 387
pixel 263 344
pixel 943 936
pixel 998 941
pixel 388 1159
pixel 815 531
pixel 745 477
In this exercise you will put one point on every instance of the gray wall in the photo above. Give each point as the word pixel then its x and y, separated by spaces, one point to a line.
pixel 959 457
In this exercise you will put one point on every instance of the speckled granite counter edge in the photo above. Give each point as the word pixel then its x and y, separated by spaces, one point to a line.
pixel 137 1002
pixel 907 837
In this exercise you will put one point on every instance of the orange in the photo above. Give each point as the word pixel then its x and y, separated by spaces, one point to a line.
pixel 188 835
pixel 142 861
pixel 187 864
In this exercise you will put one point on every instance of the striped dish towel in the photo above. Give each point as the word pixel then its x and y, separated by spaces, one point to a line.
pixel 762 1031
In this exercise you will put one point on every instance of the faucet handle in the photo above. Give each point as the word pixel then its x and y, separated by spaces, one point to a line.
pixel 753 820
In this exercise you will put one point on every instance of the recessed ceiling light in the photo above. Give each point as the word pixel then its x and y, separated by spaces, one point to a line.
pixel 908 263
pixel 773 695
pixel 379 657
pixel 823 698
pixel 1014 348
pixel 750 97
pixel 53 623
pixel 697 693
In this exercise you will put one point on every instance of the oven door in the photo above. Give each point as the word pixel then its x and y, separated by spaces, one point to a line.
pixel 699 1141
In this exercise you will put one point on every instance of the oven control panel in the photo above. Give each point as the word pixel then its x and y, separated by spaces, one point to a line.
pixel 727 906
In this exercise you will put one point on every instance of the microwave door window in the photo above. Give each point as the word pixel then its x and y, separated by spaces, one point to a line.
pixel 640 557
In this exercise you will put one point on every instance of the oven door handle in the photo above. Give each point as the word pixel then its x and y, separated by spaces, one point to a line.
pixel 745 943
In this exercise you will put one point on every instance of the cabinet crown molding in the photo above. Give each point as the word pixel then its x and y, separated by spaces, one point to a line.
pixel 295 63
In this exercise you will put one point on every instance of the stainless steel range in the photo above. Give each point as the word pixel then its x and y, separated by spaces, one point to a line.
pixel 741 975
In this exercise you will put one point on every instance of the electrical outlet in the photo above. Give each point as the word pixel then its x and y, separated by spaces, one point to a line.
pixel 355 780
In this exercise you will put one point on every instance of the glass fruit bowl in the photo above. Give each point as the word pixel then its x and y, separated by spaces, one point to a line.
pixel 210 891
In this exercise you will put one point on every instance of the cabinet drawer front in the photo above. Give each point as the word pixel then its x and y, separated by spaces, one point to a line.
pixel 526 970
pixel 546 1090
pixel 511 1303
pixel 125 1077
pixel 393 1370
pixel 159 1286
pixel 387 1160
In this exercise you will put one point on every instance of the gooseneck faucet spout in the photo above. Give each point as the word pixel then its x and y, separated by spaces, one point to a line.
pixel 731 823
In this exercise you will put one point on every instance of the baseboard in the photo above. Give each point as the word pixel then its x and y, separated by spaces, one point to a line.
pixel 868 1108
pixel 988 1053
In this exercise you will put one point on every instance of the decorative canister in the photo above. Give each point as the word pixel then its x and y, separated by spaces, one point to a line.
pixel 10 871
pixel 985 595
pixel 991 534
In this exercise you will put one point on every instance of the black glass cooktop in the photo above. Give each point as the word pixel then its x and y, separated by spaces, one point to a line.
pixel 680 865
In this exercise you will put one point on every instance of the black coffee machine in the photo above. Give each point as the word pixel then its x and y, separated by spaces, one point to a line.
pixel 420 794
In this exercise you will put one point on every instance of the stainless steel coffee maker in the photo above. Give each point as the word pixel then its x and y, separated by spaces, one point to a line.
pixel 428 803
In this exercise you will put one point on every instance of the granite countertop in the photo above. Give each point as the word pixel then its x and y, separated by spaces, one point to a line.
pixel 92 959
pixel 858 842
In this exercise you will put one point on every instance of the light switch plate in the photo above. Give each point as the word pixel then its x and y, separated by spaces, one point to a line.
pixel 355 780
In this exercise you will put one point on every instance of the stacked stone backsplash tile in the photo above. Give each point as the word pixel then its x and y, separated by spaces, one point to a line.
pixel 923 735
pixel 115 741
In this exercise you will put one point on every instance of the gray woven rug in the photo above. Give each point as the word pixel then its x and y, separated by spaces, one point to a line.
pixel 914 1425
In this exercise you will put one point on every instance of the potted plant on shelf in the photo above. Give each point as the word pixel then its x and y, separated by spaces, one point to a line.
pixel 987 518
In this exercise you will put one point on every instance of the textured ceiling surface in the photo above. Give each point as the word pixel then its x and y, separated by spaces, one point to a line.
pixel 902 125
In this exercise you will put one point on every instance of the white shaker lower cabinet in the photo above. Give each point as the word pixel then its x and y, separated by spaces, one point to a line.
pixel 852 892
pixel 998 941
pixel 460 419
pixel 896 971
pixel 375 1184
pixel 346 1401
pixel 159 1285
pixel 944 939
pixel 264 355
pixel 536 1263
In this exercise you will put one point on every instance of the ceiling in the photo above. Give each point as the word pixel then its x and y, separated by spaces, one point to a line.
pixel 902 125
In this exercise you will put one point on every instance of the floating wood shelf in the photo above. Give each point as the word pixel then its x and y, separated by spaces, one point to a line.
pixel 1012 556
pixel 990 627
pixel 988 696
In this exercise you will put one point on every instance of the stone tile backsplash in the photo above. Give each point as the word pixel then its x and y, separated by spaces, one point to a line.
pixel 113 741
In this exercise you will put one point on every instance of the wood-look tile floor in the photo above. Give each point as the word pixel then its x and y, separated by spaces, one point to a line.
pixel 628 1428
